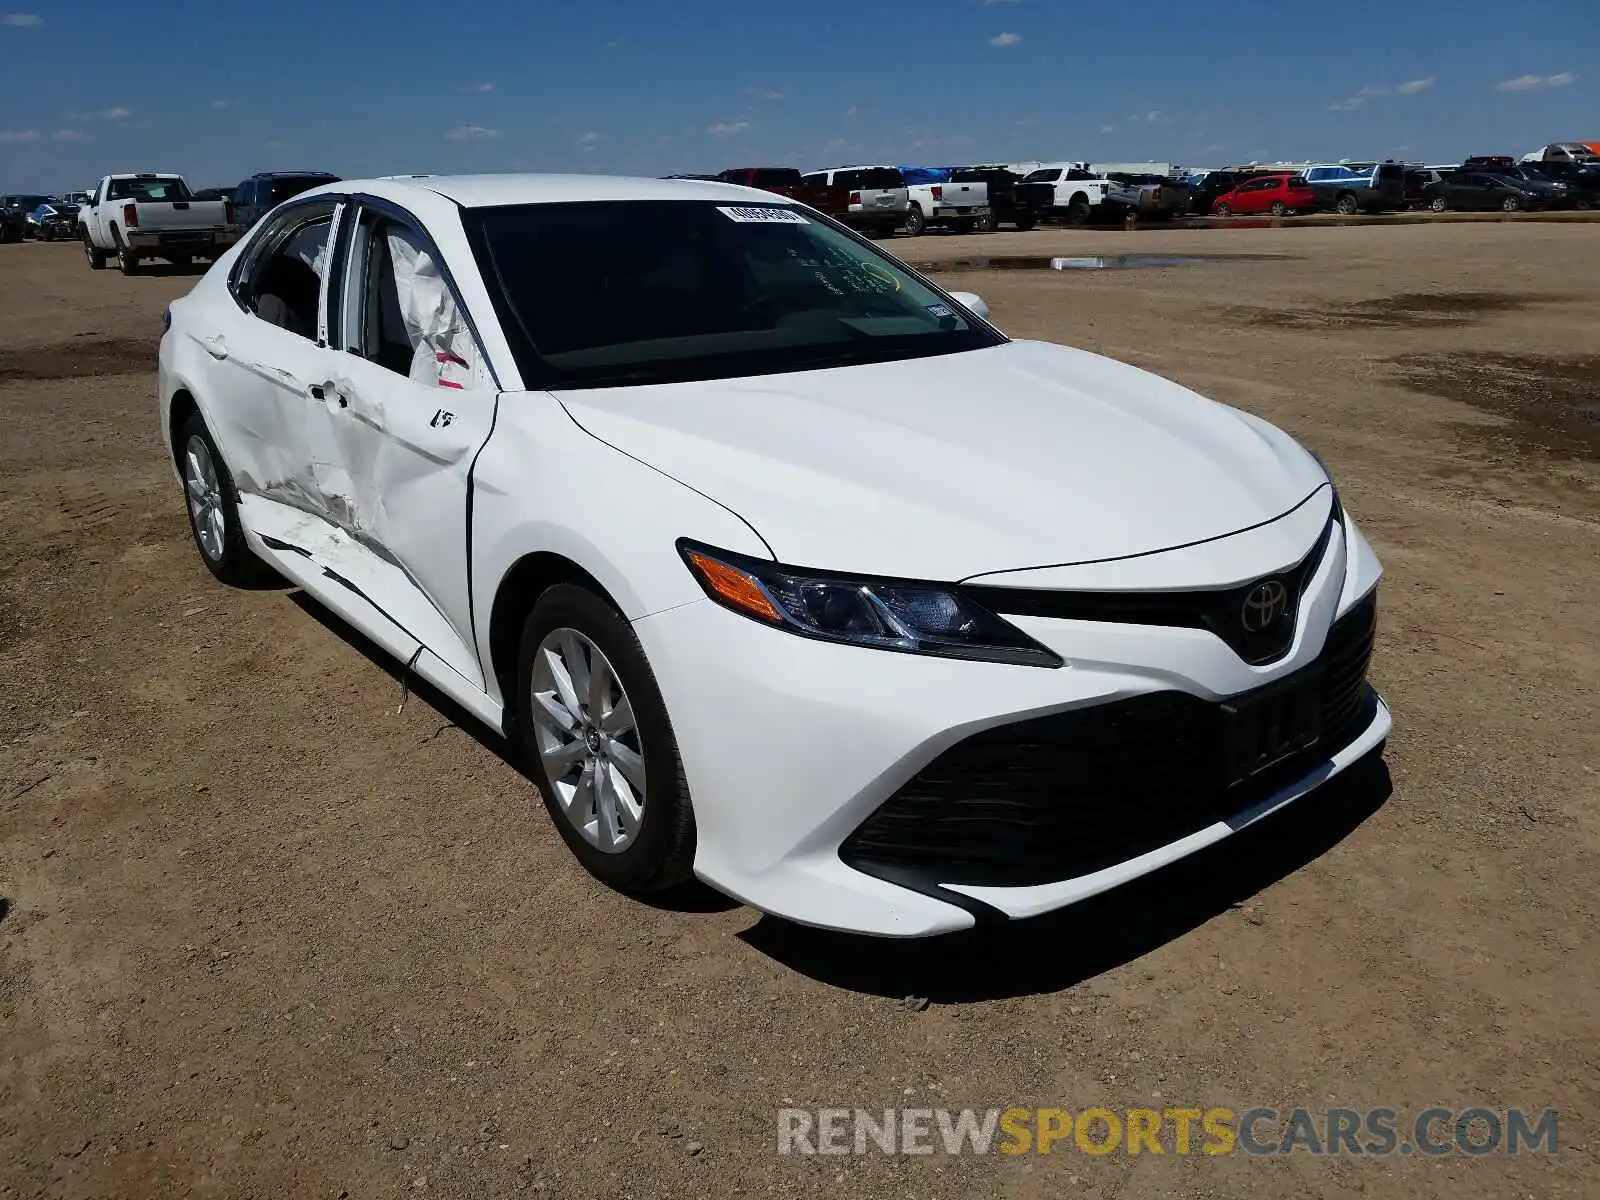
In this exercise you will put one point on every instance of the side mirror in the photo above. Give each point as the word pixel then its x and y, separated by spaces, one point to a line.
pixel 972 301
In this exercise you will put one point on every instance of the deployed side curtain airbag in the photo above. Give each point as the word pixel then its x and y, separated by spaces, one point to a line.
pixel 441 346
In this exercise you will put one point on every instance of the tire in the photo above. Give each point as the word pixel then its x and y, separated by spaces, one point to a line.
pixel 1583 203
pixel 214 517
pixel 1279 208
pixel 1078 211
pixel 95 255
pixel 1510 204
pixel 1222 210
pixel 988 224
pixel 1024 224
pixel 1347 205
pixel 127 261
pixel 572 623
pixel 915 222
pixel 1438 204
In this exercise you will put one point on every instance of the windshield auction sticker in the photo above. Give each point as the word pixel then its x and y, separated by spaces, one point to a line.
pixel 763 216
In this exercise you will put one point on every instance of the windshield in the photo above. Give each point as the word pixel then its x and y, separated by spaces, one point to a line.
pixel 601 294
pixel 149 189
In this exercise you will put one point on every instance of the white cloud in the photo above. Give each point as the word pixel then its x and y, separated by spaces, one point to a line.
pixel 1528 83
pixel 759 93
pixel 219 104
pixel 116 114
pixel 591 138
pixel 1004 39
pixel 22 20
pixel 1153 116
pixel 472 133
pixel 724 129
pixel 1108 129
pixel 19 135
pixel 1412 86
pixel 478 87
pixel 71 135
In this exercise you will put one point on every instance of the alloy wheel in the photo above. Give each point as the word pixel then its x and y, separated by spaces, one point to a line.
pixel 588 740
pixel 205 499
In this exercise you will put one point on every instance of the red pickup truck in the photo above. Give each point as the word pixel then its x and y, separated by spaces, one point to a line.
pixel 786 181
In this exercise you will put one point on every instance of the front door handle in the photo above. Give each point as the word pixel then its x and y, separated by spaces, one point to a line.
pixel 215 346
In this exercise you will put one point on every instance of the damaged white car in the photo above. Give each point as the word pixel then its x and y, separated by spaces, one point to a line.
pixel 783 567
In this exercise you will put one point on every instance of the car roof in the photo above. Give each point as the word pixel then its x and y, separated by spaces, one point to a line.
pixel 489 191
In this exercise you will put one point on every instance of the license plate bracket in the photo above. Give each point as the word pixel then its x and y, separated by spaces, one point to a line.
pixel 1270 725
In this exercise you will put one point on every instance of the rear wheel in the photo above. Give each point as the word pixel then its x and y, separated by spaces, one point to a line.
pixel 95 255
pixel 213 507
pixel 1347 205
pixel 599 743
pixel 127 261
pixel 1078 211
pixel 988 223
pixel 1279 208
pixel 915 222
pixel 1510 204
pixel 1024 223
pixel 1438 204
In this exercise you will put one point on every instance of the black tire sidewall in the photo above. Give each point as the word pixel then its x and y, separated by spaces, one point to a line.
pixel 238 566
pixel 662 852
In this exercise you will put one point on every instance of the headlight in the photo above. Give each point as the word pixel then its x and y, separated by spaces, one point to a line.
pixel 911 617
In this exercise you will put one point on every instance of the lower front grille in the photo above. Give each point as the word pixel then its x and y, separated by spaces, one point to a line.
pixel 1057 797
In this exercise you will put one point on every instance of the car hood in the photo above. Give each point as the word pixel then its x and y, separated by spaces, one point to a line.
pixel 1021 455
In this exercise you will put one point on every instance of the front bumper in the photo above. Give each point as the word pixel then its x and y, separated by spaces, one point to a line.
pixel 789 745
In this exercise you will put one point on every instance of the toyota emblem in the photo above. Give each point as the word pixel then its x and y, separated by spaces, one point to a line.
pixel 1264 606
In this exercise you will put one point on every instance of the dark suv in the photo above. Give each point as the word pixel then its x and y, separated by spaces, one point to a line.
pixel 263 192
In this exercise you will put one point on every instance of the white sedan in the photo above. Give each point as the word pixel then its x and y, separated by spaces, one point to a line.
pixel 783 566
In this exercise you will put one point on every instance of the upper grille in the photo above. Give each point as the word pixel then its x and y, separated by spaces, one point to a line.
pixel 1219 610
pixel 1057 797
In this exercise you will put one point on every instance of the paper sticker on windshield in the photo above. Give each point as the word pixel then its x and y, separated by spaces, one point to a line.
pixel 763 216
pixel 941 311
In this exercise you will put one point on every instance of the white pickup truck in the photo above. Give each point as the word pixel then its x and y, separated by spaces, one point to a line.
pixel 1073 193
pixel 935 200
pixel 136 217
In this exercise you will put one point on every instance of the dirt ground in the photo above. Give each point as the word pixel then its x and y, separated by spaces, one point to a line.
pixel 263 935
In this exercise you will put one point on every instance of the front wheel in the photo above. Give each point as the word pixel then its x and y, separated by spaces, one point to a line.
pixel 988 223
pixel 95 255
pixel 1510 204
pixel 1438 204
pixel 1279 208
pixel 1223 210
pixel 599 744
pixel 1024 224
pixel 1078 212
pixel 915 222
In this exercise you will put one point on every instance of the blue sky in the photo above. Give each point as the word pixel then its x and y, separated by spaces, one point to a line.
pixel 361 87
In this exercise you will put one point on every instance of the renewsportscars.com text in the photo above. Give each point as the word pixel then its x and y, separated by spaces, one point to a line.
pixel 1431 1132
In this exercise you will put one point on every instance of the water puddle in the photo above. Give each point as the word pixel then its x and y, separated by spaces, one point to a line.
pixel 1095 262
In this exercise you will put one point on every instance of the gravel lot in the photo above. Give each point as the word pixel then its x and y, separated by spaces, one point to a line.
pixel 264 935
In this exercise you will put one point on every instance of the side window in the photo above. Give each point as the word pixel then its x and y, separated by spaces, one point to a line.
pixel 282 281
pixel 820 179
pixel 400 311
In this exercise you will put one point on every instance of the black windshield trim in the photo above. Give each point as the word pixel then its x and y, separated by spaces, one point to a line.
pixel 537 374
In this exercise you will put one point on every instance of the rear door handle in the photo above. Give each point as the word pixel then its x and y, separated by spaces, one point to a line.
pixel 319 391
